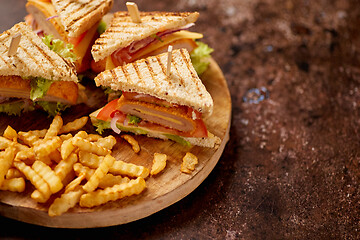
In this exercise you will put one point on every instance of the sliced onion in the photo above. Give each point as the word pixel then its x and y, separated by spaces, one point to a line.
pixel 49 18
pixel 113 123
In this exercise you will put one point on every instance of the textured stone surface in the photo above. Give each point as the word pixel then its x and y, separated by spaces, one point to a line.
pixel 291 168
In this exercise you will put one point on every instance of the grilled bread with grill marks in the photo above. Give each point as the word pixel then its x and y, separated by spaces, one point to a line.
pixel 77 16
pixel 122 31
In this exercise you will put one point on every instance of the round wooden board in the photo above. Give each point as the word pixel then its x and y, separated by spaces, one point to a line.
pixel 162 190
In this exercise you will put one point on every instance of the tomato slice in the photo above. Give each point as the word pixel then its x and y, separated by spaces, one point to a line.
pixel 105 113
pixel 76 40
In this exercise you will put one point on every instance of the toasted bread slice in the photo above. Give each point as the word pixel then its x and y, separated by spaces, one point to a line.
pixel 33 58
pixel 79 16
pixel 122 31
pixel 148 76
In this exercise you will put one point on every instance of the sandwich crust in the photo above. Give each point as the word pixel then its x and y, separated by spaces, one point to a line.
pixel 148 76
pixel 122 31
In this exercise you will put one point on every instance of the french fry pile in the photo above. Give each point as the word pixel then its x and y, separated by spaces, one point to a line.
pixel 78 169
pixel 49 158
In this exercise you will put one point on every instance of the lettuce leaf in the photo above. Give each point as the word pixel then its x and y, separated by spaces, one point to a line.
pixel 101 27
pixel 200 57
pixel 14 108
pixel 52 108
pixel 58 46
pixel 133 119
pixel 101 126
pixel 39 87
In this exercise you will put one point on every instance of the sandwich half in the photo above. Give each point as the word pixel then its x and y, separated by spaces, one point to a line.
pixel 156 104
pixel 126 41
pixel 74 22
pixel 35 75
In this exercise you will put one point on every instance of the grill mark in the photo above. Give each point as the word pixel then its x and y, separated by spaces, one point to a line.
pixel 126 74
pixel 187 62
pixel 178 73
pixel 151 70
pixel 32 57
pixel 8 64
pixel 86 14
pixel 136 67
pixel 163 68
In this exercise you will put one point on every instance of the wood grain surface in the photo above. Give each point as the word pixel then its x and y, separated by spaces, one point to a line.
pixel 162 190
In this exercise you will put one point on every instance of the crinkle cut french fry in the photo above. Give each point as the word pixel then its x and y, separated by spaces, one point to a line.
pixel 5 143
pixel 99 173
pixel 54 128
pixel 66 148
pixel 107 142
pixel 44 147
pixel 6 161
pixel 74 183
pixel 33 177
pixel 10 133
pixel 65 202
pixel 134 144
pixel 65 166
pixel 113 193
pixel 13 185
pixel 13 173
pixel 27 156
pixel 89 159
pixel 31 137
pixel 64 137
pixel 93 137
pixel 159 163
pixel 92 147
pixel 189 162
pixel 81 169
pixel 129 169
pixel 110 180
pixel 74 125
pixel 48 175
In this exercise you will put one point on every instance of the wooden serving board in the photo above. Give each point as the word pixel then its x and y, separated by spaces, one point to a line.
pixel 162 190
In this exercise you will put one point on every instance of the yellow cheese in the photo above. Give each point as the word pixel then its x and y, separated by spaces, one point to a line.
pixel 167 40
pixel 81 49
pixel 109 63
pixel 160 116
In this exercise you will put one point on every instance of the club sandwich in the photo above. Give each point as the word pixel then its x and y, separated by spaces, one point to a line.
pixel 74 22
pixel 34 75
pixel 154 102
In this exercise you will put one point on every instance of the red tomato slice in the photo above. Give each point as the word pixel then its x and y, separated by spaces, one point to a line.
pixel 76 40
pixel 105 113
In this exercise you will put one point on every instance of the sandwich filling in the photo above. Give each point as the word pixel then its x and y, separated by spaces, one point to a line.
pixel 150 113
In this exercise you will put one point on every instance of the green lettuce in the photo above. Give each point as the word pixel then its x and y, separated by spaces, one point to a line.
pixel 101 27
pixel 200 57
pixel 58 46
pixel 14 108
pixel 39 87
pixel 133 119
pixel 102 125
pixel 52 108
pixel 178 139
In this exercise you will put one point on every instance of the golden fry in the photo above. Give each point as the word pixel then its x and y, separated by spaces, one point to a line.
pixel 74 125
pixel 134 144
pixel 99 173
pixel 159 163
pixel 33 177
pixel 110 180
pixel 189 163
pixel 5 143
pixel 81 169
pixel 74 183
pixel 48 175
pixel 27 156
pixel 6 161
pixel 65 166
pixel 113 193
pixel 13 185
pixel 54 128
pixel 89 159
pixel 66 148
pixel 107 142
pixel 129 169
pixel 44 147
pixel 85 145
pixel 10 133
pixel 13 173
pixel 65 202
pixel 64 137
pixel 93 137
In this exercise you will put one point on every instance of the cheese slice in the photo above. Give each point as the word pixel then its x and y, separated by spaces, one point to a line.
pixel 167 40
pixel 81 49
